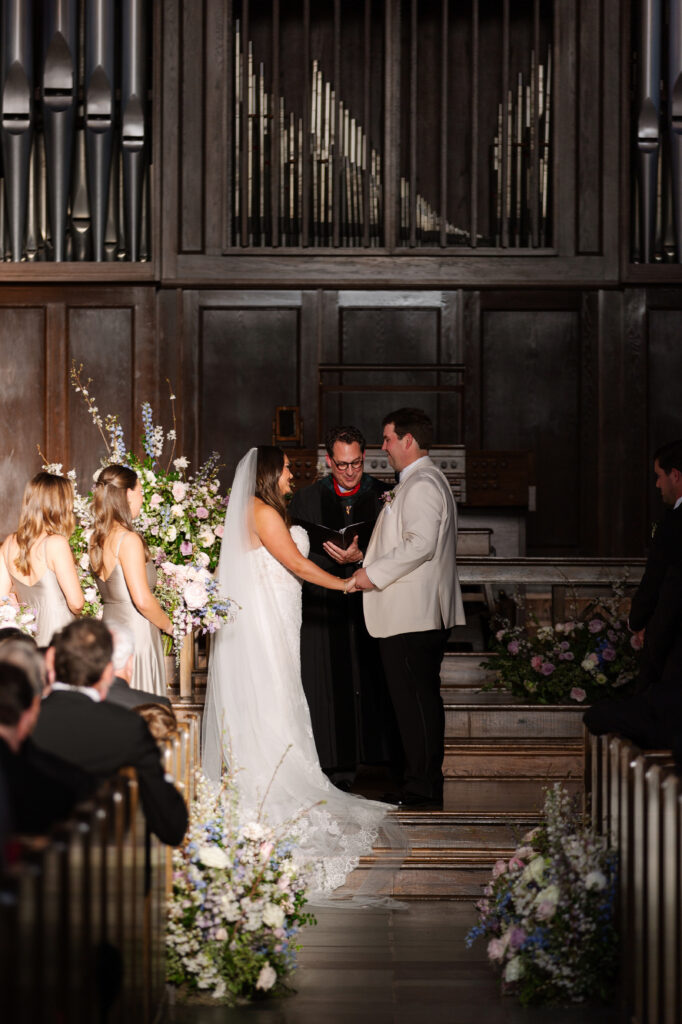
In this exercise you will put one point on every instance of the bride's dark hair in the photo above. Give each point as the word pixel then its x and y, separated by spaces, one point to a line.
pixel 269 467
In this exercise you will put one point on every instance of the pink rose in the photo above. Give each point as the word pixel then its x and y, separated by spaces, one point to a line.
pixel 547 668
pixel 496 949
pixel 577 693
pixel 179 490
pixel 201 512
pixel 499 868
pixel 516 864
pixel 219 531
pixel 155 501
pixel 195 595
pixel 595 625
pixel 536 662
pixel 545 910
pixel 186 548
pixel 608 654
pixel 513 646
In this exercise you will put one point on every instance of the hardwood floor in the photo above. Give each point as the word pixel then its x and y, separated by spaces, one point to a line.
pixel 392 967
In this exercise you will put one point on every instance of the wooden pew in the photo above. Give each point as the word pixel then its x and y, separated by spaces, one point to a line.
pixel 635 800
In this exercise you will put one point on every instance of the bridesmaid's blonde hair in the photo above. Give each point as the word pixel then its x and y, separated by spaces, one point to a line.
pixel 110 506
pixel 47 505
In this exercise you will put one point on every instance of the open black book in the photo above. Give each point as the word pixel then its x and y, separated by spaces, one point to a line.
pixel 319 535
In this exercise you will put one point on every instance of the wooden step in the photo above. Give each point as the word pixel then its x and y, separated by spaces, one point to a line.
pixel 494 715
pixel 504 775
pixel 464 671
pixel 450 855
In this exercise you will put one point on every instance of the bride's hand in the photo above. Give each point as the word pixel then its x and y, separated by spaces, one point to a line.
pixel 350 587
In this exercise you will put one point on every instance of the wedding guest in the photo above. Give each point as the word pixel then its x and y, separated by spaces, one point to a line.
pixel 80 725
pixel 22 651
pixel 651 718
pixel 123 658
pixel 341 670
pixel 160 720
pixel 36 562
pixel 41 789
pixel 125 574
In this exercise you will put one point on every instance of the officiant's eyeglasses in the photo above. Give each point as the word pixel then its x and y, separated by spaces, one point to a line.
pixel 355 464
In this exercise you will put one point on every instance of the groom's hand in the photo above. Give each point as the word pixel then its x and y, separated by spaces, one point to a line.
pixel 361 581
pixel 351 554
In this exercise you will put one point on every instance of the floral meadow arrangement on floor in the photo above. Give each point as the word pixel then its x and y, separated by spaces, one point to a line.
pixel 236 905
pixel 572 662
pixel 548 912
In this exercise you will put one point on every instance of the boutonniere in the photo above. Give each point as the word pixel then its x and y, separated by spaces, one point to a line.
pixel 654 527
pixel 387 497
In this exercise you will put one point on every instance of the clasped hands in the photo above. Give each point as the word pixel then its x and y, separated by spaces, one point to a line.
pixel 352 554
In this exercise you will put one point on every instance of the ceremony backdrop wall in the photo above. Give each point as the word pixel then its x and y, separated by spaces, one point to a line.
pixel 570 349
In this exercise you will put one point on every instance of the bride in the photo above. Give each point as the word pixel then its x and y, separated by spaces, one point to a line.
pixel 256 717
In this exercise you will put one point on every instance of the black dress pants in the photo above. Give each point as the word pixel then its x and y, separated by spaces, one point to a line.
pixel 412 668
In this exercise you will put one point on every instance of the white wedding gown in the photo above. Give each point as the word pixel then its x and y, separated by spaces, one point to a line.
pixel 257 719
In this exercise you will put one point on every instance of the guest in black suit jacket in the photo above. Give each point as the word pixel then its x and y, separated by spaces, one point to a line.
pixel 653 717
pixel 80 725
pixel 120 691
pixel 40 789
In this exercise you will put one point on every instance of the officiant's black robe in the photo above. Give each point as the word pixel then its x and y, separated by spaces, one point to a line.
pixel 340 663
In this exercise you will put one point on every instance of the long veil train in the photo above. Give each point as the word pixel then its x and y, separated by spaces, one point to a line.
pixel 257 720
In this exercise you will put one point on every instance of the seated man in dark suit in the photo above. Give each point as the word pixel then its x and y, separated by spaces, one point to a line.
pixel 653 717
pixel 80 725
pixel 120 691
pixel 39 793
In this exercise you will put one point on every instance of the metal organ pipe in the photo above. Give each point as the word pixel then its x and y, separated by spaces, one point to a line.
pixel 133 127
pixel 17 113
pixel 59 94
pixel 99 112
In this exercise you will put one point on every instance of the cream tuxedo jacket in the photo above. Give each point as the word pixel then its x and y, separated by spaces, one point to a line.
pixel 410 559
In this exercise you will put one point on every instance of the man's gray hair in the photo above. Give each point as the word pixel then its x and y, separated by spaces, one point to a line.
pixel 23 653
pixel 124 647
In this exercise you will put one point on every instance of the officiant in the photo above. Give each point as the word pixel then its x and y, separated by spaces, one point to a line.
pixel 341 667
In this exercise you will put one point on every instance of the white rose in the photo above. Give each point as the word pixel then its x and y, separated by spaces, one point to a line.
pixel 221 935
pixel 179 490
pixel 195 595
pixel 84 561
pixel 273 916
pixel 514 969
pixel 149 477
pixel 171 533
pixel 213 857
pixel 90 593
pixel 254 830
pixel 595 880
pixel 177 511
pixel 534 871
pixel 549 895
pixel 203 559
pixel 206 536
pixel 266 978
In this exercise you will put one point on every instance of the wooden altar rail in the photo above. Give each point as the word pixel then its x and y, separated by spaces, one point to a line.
pixel 559 574
pixel 634 798
pixel 82 910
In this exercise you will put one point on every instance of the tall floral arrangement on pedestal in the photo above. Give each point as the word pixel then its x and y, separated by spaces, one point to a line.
pixel 548 913
pixel 237 902
pixel 181 519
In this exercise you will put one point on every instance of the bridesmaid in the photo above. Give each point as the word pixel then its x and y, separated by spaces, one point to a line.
pixel 36 562
pixel 125 576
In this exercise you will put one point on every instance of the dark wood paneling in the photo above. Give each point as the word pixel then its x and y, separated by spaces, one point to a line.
pixel 192 122
pixel 103 342
pixel 589 128
pixel 664 372
pixel 249 364
pixel 22 405
pixel 531 400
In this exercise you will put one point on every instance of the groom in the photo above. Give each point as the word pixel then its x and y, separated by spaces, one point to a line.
pixel 412 598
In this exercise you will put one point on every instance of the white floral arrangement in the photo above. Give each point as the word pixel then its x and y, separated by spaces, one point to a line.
pixel 548 912
pixel 236 905
pixel 17 615
pixel 191 598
